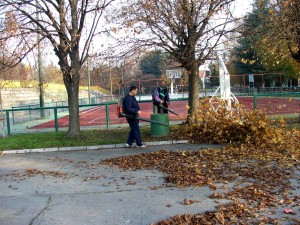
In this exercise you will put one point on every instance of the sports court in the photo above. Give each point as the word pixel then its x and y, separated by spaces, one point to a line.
pixel 96 116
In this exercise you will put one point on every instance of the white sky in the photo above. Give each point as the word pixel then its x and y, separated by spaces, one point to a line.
pixel 242 7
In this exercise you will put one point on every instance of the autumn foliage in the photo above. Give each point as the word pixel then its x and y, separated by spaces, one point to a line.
pixel 216 123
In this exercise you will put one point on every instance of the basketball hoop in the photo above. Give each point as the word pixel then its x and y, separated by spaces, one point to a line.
pixel 173 74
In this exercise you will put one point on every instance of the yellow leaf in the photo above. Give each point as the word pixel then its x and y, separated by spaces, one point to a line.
pixel 254 128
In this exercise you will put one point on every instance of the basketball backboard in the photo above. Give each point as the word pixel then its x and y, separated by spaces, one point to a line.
pixel 173 74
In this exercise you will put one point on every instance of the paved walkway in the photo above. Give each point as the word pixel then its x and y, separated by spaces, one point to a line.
pixel 72 188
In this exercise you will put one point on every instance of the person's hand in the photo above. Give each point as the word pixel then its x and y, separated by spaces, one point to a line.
pixel 139 112
pixel 161 102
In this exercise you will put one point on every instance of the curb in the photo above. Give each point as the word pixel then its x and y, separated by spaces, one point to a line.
pixel 85 148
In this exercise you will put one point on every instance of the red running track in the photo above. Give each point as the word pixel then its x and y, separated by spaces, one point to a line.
pixel 273 105
pixel 96 116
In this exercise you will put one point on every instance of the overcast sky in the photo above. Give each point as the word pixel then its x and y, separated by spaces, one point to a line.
pixel 240 8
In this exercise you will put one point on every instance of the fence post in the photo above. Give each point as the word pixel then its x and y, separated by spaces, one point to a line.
pixel 254 103
pixel 55 119
pixel 107 115
pixel 29 113
pixel 13 117
pixel 7 123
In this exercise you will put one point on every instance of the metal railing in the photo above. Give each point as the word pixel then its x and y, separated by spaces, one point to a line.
pixel 60 111
pixel 62 106
pixel 54 110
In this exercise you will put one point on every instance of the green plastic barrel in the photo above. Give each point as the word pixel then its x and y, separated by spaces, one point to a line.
pixel 158 130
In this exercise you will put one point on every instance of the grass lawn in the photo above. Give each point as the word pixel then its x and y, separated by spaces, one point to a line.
pixel 292 121
pixel 96 137
pixel 87 138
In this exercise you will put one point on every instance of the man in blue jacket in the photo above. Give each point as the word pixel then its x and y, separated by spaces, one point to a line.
pixel 132 109
pixel 161 97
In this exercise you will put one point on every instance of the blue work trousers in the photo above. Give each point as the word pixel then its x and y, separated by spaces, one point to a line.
pixel 134 132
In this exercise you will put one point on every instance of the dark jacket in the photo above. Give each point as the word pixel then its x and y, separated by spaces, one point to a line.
pixel 130 105
pixel 160 93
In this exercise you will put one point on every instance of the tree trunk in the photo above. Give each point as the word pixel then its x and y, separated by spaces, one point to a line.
pixel 73 94
pixel 193 93
pixel 295 53
pixel 71 76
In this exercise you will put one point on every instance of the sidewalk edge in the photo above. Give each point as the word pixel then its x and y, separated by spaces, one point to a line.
pixel 85 148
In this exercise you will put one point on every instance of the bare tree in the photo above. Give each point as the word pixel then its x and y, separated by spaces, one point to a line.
pixel 62 24
pixel 188 30
pixel 8 59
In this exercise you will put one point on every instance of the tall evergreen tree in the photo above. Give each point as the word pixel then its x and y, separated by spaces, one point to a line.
pixel 152 62
pixel 260 51
pixel 244 56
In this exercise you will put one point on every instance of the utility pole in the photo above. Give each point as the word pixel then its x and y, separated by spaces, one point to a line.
pixel 123 73
pixel 111 91
pixel 89 79
pixel 40 72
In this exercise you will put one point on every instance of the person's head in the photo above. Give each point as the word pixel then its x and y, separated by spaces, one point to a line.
pixel 133 90
pixel 162 84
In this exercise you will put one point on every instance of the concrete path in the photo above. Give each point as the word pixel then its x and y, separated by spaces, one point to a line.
pixel 72 188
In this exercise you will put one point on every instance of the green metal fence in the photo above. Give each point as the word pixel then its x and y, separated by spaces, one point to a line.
pixel 53 113
pixel 23 115
pixel 54 110
pixel 274 102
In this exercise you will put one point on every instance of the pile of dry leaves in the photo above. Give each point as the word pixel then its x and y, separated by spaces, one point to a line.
pixel 259 158
pixel 238 125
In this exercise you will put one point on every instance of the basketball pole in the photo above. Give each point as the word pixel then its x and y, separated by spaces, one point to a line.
pixel 172 75
pixel 172 88
pixel 224 88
